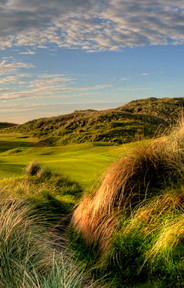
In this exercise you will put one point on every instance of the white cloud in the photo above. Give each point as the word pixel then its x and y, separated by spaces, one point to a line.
pixel 51 75
pixel 28 53
pixel 44 83
pixel 96 87
pixel 135 89
pixel 45 91
pixel 8 79
pixel 124 79
pixel 91 25
pixel 8 68
pixel 25 75
pixel 4 89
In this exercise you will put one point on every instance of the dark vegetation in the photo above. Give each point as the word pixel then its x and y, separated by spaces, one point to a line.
pixel 4 125
pixel 137 120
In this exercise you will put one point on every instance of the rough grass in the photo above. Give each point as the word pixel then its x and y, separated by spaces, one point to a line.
pixel 31 253
pixel 28 258
pixel 135 219
pixel 129 231
pixel 52 193
pixel 130 181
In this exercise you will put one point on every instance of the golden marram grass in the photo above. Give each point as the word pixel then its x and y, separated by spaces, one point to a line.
pixel 129 182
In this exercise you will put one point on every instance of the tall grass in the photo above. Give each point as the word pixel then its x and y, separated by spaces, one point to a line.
pixel 28 256
pixel 31 253
pixel 130 181
pixel 52 193
pixel 135 218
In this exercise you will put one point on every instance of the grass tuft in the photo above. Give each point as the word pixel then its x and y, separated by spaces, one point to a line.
pixel 136 219
pixel 33 168
pixel 28 256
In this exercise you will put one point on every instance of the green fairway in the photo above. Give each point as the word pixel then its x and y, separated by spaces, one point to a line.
pixel 84 163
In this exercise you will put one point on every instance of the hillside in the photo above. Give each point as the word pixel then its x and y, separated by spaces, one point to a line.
pixel 4 125
pixel 136 120
pixel 166 108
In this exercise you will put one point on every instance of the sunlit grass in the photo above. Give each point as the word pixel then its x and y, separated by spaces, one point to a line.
pixel 52 193
pixel 28 257
pixel 84 163
pixel 134 220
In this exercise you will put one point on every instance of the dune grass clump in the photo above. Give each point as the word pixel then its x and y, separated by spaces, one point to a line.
pixel 147 246
pixel 131 180
pixel 135 218
pixel 33 168
pixel 21 245
pixel 28 254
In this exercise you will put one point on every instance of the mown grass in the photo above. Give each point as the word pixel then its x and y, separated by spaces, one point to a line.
pixel 84 163
pixel 134 220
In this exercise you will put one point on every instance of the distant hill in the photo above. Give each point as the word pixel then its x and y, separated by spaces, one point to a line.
pixel 4 125
pixel 136 120
pixel 167 108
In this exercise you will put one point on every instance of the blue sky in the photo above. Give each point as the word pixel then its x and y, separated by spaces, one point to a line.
pixel 61 55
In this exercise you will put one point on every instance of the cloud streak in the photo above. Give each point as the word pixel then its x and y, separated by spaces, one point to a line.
pixel 46 91
pixel 134 89
pixel 8 68
pixel 27 86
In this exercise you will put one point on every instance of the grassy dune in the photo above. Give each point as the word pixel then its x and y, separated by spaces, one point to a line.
pixel 137 120
pixel 132 225
pixel 40 196
pixel 4 125
pixel 126 228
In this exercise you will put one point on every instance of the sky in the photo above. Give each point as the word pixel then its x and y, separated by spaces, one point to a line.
pixel 64 55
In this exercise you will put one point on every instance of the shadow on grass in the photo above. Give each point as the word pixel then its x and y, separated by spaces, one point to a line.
pixel 8 145
pixel 51 208
pixel 7 170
